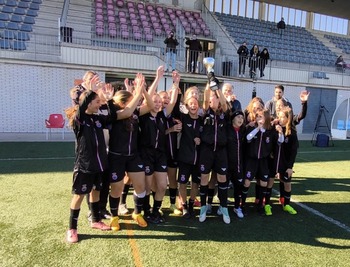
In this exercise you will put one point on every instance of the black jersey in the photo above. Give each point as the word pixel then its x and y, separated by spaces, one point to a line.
pixel 214 129
pixel 188 150
pixel 235 143
pixel 261 144
pixel 171 139
pixel 285 154
pixel 123 135
pixel 152 131
pixel 91 154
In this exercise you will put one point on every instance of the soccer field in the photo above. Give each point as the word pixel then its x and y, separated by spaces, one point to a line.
pixel 35 185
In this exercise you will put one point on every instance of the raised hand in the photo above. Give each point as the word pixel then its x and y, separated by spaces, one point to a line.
pixel 304 95
pixel 139 83
pixel 160 72
pixel 176 77
pixel 108 91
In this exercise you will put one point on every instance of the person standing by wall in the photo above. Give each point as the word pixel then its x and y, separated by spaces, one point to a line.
pixel 281 26
pixel 243 53
pixel 263 60
pixel 194 47
pixel 171 43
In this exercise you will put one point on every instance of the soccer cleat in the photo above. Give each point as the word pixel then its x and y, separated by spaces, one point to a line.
pixel 209 209
pixel 175 210
pixel 219 211
pixel 289 209
pixel 123 210
pixel 225 216
pixel 139 219
pixel 72 236
pixel 203 213
pixel 239 213
pixel 114 223
pixel 244 211
pixel 100 225
pixel 105 214
pixel 186 214
pixel 268 210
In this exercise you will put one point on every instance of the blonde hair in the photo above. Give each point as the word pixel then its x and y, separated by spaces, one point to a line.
pixel 120 98
pixel 287 111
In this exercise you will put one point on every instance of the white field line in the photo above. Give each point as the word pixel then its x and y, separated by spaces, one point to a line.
pixel 24 159
pixel 319 214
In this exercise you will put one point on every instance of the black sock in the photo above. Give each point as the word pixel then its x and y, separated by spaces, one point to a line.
pixel 287 198
pixel 190 205
pixel 125 193
pixel 211 192
pixel 257 190
pixel 203 192
pixel 73 219
pixel 222 194
pixel 138 202
pixel 184 205
pixel 114 204
pixel 156 206
pixel 95 211
pixel 172 195
pixel 244 194
pixel 262 194
pixel 104 192
pixel 146 204
pixel 237 194
pixel 268 196
pixel 281 185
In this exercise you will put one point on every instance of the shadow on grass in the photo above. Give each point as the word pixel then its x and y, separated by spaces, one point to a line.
pixel 303 228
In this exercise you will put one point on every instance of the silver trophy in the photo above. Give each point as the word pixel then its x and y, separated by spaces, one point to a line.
pixel 208 63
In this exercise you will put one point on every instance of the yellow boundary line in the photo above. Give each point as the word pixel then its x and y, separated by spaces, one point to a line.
pixel 134 247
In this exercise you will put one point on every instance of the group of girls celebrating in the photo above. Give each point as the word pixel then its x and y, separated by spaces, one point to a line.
pixel 160 139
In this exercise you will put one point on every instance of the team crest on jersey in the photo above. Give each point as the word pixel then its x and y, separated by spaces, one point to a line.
pixel 98 124
pixel 201 129
pixel 286 140
pixel 202 168
pixel 249 175
pixel 114 176
pixel 267 139
pixel 135 117
pixel 147 169
pixel 222 116
pixel 182 178
pixel 83 188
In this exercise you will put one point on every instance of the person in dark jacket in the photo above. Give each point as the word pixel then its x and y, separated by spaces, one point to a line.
pixel 90 160
pixel 171 44
pixel 281 25
pixel 243 53
pixel 263 60
pixel 253 60
pixel 194 48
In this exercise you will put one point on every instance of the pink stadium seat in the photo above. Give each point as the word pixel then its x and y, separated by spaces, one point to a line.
pixel 158 31
pixel 110 12
pixel 137 36
pixel 154 19
pixel 143 17
pixel 196 15
pixel 187 14
pixel 142 12
pixel 132 16
pixel 120 3
pixel 145 23
pixel 163 20
pixel 99 11
pixel 178 12
pixel 140 6
pixel 99 5
pixel 190 19
pixel 122 14
pixel 112 26
pixel 147 30
pixel 172 16
pixel 134 22
pixel 206 32
pixel 111 18
pixel 99 23
pixel 99 31
pixel 170 11
pixel 174 22
pixel 149 37
pixel 112 33
pixel 131 10
pixel 199 20
pixel 197 31
pixel 99 17
pixel 152 13
pixel 110 6
pixel 130 4
pixel 149 8
pixel 122 20
pixel 125 34
pixel 161 15
pixel 187 29
pixel 124 27
pixel 55 121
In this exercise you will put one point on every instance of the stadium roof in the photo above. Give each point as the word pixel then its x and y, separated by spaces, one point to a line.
pixel 335 8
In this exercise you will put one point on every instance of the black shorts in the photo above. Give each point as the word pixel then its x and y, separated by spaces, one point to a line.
pixel 258 169
pixel 120 164
pixel 213 160
pixel 154 161
pixel 235 176
pixel 284 177
pixel 83 183
pixel 187 170
pixel 171 163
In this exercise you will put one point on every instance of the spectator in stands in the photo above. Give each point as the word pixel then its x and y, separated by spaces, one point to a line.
pixel 340 63
pixel 281 25
pixel 243 53
pixel 194 47
pixel 263 60
pixel 253 60
pixel 171 43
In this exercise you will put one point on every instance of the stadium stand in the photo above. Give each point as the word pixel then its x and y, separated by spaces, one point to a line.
pixel 341 42
pixel 295 45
